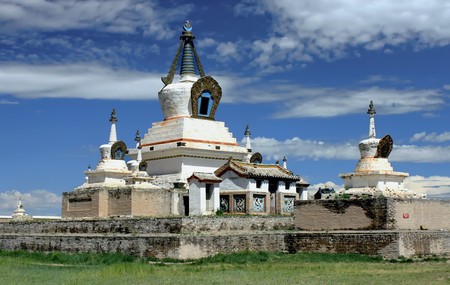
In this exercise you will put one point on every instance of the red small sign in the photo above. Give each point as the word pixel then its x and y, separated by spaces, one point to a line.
pixel 405 216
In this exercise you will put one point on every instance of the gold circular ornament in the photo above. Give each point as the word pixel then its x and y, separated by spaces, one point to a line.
pixel 118 150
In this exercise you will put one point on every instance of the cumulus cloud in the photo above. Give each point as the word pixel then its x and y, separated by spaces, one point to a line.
pixel 420 154
pixel 332 29
pixel 434 186
pixel 301 149
pixel 124 16
pixel 273 149
pixel 85 81
pixel 431 137
pixel 302 101
pixel 36 202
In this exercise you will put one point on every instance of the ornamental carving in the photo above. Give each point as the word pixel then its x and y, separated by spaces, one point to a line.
pixel 256 158
pixel 288 204
pixel 118 150
pixel 384 147
pixel 205 84
pixel 258 203
pixel 239 204
pixel 225 203
pixel 143 166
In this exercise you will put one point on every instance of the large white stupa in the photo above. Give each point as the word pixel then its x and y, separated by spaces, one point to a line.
pixel 189 138
pixel 374 175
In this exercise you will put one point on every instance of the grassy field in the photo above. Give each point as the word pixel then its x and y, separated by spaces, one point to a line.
pixel 242 268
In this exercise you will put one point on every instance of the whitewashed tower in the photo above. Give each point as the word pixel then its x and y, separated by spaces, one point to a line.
pixel 374 175
pixel 189 139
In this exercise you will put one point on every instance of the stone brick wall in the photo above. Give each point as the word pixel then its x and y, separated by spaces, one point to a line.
pixel 80 204
pixel 119 202
pixel 372 214
pixel 422 214
pixel 367 214
pixel 413 243
pixel 183 225
pixel 204 236
pixel 149 204
pixel 373 243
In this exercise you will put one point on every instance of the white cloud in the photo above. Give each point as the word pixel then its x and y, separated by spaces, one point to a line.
pixel 273 149
pixel 226 50
pixel 420 154
pixel 124 16
pixel 433 185
pixel 332 29
pixel 205 42
pixel 432 137
pixel 301 101
pixel 36 202
pixel 8 102
pixel 85 81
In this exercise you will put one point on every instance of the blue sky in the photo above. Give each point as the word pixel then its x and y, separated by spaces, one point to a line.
pixel 300 73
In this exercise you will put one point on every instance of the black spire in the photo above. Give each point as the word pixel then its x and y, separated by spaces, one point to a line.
pixel 189 56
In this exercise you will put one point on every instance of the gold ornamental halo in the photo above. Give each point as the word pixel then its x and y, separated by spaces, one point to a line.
pixel 205 84
pixel 118 150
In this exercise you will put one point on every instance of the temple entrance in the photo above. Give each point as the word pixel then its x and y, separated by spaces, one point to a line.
pixel 273 187
pixel 186 205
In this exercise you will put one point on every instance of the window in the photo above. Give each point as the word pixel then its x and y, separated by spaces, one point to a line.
pixel 205 104
pixel 209 190
pixel 286 185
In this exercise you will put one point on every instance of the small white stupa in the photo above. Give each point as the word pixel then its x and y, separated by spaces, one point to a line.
pixel 111 169
pixel 114 187
pixel 374 175
pixel 19 212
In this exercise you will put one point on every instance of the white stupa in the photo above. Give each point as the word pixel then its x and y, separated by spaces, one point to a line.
pixel 374 175
pixel 189 138
pixel 20 213
pixel 112 170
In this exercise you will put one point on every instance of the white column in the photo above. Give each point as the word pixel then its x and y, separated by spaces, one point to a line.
pixel 112 132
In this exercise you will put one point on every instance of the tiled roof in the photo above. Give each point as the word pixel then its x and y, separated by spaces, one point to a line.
pixel 254 170
pixel 204 177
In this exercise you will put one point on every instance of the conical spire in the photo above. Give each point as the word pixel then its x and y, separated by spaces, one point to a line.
pixel 371 112
pixel 247 135
pixel 138 146
pixel 189 58
pixel 112 132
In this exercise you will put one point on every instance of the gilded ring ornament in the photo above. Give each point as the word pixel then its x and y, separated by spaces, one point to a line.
pixel 118 150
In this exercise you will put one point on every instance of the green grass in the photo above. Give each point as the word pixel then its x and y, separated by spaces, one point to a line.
pixel 20 267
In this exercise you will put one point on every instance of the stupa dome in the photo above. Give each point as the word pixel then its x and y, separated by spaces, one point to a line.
pixel 175 98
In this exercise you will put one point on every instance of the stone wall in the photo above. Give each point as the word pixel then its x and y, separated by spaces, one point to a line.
pixel 372 214
pixel 422 214
pixel 178 225
pixel 118 201
pixel 367 214
pixel 204 236
pixel 413 243
pixel 373 243
pixel 389 244
pixel 148 202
